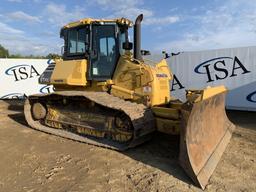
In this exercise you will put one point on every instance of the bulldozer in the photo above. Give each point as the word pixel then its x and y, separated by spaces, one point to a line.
pixel 107 95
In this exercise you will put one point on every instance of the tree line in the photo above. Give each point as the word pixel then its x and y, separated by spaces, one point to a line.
pixel 4 53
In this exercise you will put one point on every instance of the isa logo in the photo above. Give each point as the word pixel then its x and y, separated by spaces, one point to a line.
pixel 14 96
pixel 47 89
pixel 216 69
pixel 22 72
pixel 176 83
pixel 50 61
pixel 252 97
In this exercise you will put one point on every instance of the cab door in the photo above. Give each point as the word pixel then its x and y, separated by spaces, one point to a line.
pixel 104 52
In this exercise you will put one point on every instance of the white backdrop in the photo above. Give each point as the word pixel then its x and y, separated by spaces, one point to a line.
pixel 20 76
pixel 235 68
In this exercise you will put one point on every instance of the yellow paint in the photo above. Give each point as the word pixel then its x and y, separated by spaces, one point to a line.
pixel 212 91
pixel 161 83
pixel 122 92
pixel 168 126
pixel 132 80
pixel 71 72
pixel 167 113
pixel 141 82
pixel 88 21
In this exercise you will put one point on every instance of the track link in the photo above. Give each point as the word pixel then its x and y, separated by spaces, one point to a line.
pixel 141 118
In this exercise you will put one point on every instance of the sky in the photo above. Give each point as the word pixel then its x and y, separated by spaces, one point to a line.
pixel 32 26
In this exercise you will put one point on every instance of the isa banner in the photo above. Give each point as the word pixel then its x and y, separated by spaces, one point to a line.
pixel 19 77
pixel 234 67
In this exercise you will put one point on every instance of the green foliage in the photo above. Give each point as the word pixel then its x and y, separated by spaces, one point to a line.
pixel 17 56
pixel 53 56
pixel 4 53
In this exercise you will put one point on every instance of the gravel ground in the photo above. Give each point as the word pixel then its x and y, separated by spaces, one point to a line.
pixel 35 161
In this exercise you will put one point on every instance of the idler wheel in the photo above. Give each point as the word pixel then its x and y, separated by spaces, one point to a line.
pixel 38 111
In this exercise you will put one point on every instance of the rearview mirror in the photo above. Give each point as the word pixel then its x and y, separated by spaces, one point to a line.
pixel 127 46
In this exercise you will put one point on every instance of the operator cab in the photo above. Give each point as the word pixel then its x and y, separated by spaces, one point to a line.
pixel 99 42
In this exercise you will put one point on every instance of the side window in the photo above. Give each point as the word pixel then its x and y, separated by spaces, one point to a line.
pixel 72 41
pixel 107 46
pixel 104 46
pixel 77 41
pixel 121 41
pixel 81 40
pixel 111 48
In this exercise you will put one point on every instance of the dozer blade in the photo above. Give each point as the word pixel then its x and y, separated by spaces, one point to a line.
pixel 205 133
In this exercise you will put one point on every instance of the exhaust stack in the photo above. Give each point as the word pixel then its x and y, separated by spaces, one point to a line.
pixel 137 38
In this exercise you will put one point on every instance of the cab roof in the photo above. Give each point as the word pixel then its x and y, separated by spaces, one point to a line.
pixel 87 21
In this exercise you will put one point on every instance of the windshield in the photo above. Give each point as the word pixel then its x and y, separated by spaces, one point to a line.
pixel 76 41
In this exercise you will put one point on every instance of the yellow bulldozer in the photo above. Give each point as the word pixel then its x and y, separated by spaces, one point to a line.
pixel 107 96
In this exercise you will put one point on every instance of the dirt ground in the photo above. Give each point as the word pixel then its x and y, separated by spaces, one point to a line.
pixel 36 161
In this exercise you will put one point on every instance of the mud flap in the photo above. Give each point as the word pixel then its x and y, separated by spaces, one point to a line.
pixel 205 133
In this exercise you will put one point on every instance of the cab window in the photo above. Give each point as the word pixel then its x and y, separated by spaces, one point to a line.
pixel 104 51
pixel 122 39
pixel 76 41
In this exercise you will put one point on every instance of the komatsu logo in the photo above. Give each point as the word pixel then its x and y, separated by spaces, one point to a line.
pixel 22 72
pixel 252 97
pixel 14 96
pixel 216 68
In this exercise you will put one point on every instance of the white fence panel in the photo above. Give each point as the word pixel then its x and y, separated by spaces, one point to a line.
pixel 19 77
pixel 235 68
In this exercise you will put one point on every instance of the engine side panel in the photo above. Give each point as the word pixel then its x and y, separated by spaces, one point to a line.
pixel 142 83
pixel 71 72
